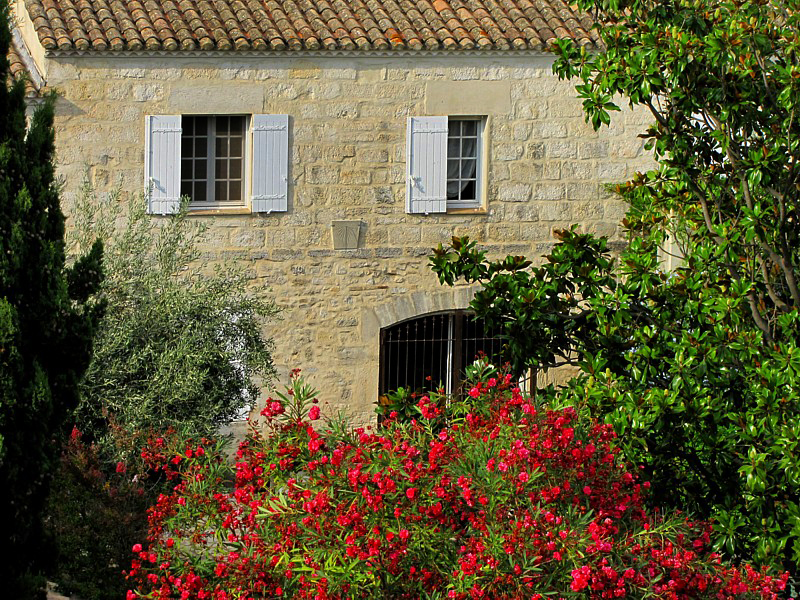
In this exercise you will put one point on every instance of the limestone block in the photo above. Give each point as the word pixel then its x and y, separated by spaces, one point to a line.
pixel 251 238
pixel 507 151
pixel 597 149
pixel 355 176
pixel 514 192
pixel 560 149
pixel 555 211
pixel 582 170
pixel 612 171
pixel 548 130
pixel 546 192
pixel 551 169
pixel 318 174
pixel 522 131
pixel 404 236
pixel 582 191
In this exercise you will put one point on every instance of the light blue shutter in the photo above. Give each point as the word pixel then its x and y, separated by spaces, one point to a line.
pixel 270 163
pixel 162 163
pixel 426 161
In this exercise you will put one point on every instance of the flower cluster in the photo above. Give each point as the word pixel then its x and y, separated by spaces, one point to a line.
pixel 490 497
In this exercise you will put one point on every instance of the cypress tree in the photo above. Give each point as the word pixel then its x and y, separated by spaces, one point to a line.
pixel 47 317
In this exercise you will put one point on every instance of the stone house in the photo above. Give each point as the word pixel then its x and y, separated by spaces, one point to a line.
pixel 334 143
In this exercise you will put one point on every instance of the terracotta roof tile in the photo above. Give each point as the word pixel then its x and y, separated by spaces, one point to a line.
pixel 18 70
pixel 242 25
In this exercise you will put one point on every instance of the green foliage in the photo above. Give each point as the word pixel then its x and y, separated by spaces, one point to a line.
pixel 722 82
pixel 181 346
pixel 94 518
pixel 675 363
pixel 182 343
pixel 46 326
pixel 697 370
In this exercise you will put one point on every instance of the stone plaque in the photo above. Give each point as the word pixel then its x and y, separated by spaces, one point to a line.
pixel 345 234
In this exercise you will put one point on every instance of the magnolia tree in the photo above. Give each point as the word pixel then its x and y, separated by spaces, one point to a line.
pixel 698 369
pixel 490 498
pixel 722 82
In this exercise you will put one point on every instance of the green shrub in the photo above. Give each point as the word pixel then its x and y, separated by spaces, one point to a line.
pixel 675 363
pixel 95 515
pixel 183 342
pixel 182 346
pixel 46 324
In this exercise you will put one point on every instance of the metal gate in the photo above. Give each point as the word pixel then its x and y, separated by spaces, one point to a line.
pixel 433 350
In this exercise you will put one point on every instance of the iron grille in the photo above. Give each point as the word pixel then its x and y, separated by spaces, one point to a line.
pixel 433 350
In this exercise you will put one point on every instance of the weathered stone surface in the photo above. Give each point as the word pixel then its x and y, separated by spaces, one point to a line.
pixel 348 137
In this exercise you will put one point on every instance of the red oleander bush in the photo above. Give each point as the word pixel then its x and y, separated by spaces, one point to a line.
pixel 492 497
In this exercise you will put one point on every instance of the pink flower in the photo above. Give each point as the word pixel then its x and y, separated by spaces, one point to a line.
pixel 410 493
pixel 313 414
pixel 474 392
pixel 120 467
pixel 137 547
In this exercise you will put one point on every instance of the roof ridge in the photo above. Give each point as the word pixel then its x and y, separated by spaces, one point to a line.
pixel 313 25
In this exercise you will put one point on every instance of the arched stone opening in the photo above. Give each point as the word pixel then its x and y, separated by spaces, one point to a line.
pixel 432 351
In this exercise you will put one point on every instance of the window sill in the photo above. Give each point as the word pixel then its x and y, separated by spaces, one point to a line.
pixel 481 210
pixel 205 212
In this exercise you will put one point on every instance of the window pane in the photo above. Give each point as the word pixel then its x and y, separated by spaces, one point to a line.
pixel 235 190
pixel 222 125
pixel 468 168
pixel 201 147
pixel 468 191
pixel 186 188
pixel 236 146
pixel 237 126
pixel 187 147
pixel 221 191
pixel 199 192
pixel 235 168
pixel 453 147
pixel 187 172
pixel 453 127
pixel 221 146
pixel 470 128
pixel 221 171
pixel 201 169
pixel 200 125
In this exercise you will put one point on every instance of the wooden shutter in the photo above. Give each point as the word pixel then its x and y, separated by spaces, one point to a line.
pixel 426 161
pixel 270 163
pixel 162 163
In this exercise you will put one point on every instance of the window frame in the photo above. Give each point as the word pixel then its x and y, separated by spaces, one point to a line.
pixel 426 165
pixel 457 205
pixel 246 158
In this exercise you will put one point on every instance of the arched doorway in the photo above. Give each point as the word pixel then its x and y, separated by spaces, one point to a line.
pixel 427 351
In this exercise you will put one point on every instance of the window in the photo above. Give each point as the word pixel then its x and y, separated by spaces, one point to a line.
pixel 212 159
pixel 463 152
pixel 439 346
pixel 218 161
pixel 444 164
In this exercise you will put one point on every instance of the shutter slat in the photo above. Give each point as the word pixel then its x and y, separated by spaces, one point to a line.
pixel 270 163
pixel 426 149
pixel 163 163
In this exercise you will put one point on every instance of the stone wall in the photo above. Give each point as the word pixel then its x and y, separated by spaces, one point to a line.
pixel 348 135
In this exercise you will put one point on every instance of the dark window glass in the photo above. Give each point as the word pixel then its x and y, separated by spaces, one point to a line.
pixel 221 181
